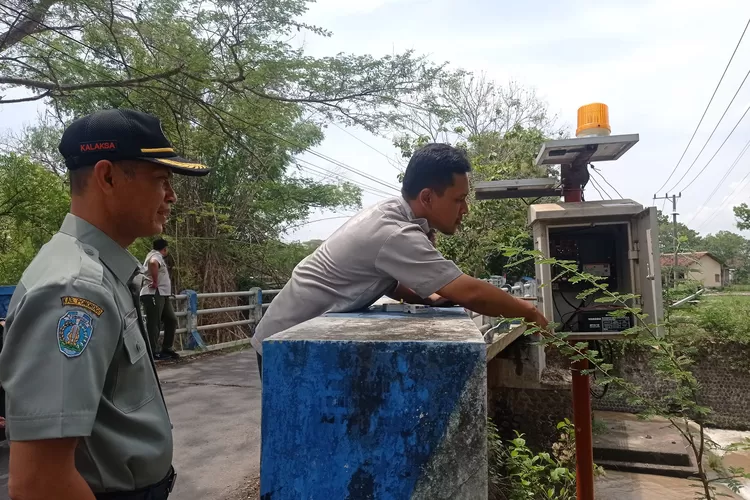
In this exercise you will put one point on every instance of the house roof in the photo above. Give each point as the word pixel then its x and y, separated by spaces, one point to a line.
pixel 685 259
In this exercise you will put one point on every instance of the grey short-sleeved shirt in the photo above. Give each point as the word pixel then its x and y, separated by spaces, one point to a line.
pixel 75 362
pixel 366 258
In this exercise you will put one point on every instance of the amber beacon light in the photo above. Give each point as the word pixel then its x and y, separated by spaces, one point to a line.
pixel 593 120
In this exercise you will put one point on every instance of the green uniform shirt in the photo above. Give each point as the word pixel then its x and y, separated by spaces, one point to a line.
pixel 75 362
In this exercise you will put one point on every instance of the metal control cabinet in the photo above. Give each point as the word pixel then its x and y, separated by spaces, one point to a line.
pixel 617 240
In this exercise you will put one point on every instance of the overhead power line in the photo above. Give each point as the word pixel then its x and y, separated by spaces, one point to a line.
pixel 369 146
pixel 724 203
pixel 721 181
pixel 713 131
pixel 718 150
pixel 739 42
pixel 323 171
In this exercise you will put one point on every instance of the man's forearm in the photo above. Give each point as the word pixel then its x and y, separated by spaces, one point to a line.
pixel 60 488
pixel 153 268
pixel 488 300
pixel 495 302
pixel 40 470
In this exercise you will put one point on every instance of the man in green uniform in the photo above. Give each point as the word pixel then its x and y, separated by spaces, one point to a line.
pixel 85 415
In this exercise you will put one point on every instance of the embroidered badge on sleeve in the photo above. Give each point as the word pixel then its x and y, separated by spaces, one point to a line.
pixel 74 332
pixel 83 304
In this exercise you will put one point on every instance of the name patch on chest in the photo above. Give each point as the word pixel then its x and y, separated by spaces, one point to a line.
pixel 74 331
pixel 83 304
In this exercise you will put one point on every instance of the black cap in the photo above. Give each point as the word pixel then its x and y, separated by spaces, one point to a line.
pixel 122 134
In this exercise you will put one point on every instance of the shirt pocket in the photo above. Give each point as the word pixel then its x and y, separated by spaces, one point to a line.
pixel 135 385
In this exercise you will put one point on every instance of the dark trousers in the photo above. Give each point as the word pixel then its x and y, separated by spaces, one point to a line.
pixel 260 366
pixel 158 309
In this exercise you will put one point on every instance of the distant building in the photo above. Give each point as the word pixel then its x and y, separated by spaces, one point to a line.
pixel 702 267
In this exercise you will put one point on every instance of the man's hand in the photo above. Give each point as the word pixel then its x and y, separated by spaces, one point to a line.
pixel 408 295
pixel 536 317
pixel 438 301
pixel 44 469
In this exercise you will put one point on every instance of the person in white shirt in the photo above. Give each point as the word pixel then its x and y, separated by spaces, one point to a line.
pixel 156 290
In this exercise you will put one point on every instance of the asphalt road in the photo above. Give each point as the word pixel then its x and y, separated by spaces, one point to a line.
pixel 214 404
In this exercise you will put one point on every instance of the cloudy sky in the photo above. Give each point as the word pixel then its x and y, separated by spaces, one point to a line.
pixel 655 63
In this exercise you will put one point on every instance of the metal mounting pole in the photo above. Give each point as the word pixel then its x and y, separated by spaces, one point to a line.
pixel 574 178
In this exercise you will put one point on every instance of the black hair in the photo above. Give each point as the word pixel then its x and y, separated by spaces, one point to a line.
pixel 433 166
pixel 79 176
pixel 160 244
pixel 79 179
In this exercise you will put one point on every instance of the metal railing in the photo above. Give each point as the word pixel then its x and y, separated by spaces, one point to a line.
pixel 187 310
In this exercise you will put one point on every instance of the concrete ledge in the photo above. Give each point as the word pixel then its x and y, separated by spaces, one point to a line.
pixel 503 340
pixel 375 405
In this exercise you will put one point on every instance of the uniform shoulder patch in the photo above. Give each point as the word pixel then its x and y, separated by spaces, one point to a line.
pixel 83 304
pixel 74 331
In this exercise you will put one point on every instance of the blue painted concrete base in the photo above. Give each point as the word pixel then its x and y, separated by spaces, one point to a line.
pixel 359 418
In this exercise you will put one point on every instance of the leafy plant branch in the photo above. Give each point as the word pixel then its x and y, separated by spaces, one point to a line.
pixel 681 407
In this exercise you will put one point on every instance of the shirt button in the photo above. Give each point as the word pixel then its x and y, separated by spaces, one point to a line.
pixel 89 251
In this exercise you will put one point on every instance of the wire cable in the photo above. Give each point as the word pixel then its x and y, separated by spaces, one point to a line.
pixel 724 203
pixel 599 172
pixel 324 171
pixel 368 145
pixel 713 131
pixel 596 186
pixel 739 42
pixel 718 150
pixel 729 171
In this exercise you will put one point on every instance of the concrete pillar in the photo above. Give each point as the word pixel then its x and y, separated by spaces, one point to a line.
pixel 256 304
pixel 195 339
pixel 375 406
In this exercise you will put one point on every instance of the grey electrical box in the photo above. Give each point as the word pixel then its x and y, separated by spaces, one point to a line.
pixel 616 240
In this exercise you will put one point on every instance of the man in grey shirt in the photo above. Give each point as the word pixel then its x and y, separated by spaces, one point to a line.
pixel 386 250
pixel 156 290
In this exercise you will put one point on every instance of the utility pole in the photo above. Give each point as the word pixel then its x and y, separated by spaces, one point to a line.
pixel 674 198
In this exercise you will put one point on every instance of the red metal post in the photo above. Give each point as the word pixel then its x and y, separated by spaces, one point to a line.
pixel 573 193
pixel 583 431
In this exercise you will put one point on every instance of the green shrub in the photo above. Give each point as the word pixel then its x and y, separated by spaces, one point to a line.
pixel 725 318
pixel 517 473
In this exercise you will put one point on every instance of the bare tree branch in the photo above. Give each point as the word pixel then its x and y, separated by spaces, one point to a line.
pixel 32 23
pixel 25 99
pixel 53 87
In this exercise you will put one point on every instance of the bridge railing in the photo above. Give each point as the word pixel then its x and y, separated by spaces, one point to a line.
pixel 193 319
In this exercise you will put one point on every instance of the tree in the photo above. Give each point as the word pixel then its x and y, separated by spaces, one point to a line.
pixel 726 246
pixel 194 52
pixel 688 240
pixel 733 251
pixel 501 129
pixel 742 216
pixel 33 203
pixel 230 90
pixel 461 105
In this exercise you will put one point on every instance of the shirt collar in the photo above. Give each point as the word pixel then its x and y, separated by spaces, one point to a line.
pixel 122 264
pixel 421 222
